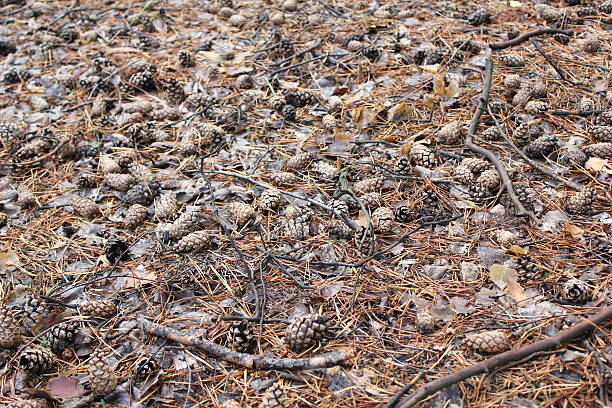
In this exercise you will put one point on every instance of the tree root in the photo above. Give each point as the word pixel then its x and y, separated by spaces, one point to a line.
pixel 502 359
pixel 247 360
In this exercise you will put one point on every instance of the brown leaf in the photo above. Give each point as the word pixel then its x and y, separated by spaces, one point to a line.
pixel 399 113
pixel 595 164
pixel 516 291
pixel 8 258
pixel 362 117
pixel 65 387
pixel 497 273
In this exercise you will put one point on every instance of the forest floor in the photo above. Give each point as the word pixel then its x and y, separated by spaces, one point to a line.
pixel 303 179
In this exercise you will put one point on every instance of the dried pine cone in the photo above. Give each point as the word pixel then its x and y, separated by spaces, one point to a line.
pixel 539 90
pixel 490 342
pixel 606 7
pixel 602 150
pixel 34 309
pixel 528 270
pixel 9 329
pixel 62 335
pixel 536 107
pixel 463 174
pixel 338 229
pixel 424 321
pixel 36 359
pixel 297 222
pixel 339 206
pixel 369 185
pixel 307 331
pixel 108 165
pixel 141 172
pixel 120 182
pixel 193 242
pixel 403 166
pixel 591 45
pixel 382 220
pixel 299 161
pixel 300 98
pixel 402 213
pixel 573 159
pixel 371 200
pixel 512 60
pixel 326 170
pixel 134 216
pixel 480 16
pixel 541 147
pixel 275 397
pixel 145 366
pixel 283 178
pixel 142 193
pixel 242 213
pixel 505 238
pixel 479 194
pixel 575 291
pixel 175 93
pixel 420 155
pixel 102 376
pixel 475 164
pixel 492 134
pixel 186 222
pixel 581 203
pixel 269 201
pixel 3 219
pixel 489 179
pixel 166 206
pixel 450 133
pixel 602 133
pixel 513 82
pixel 240 336
pixel 102 309
pixel 185 58
pixel 32 403
pixel 329 122
pixel 521 97
pixel 586 104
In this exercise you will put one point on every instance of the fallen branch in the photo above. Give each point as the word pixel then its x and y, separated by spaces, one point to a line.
pixel 247 360
pixel 469 143
pixel 522 38
pixel 501 359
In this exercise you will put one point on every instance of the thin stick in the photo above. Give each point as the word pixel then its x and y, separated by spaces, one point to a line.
pixel 482 107
pixel 297 54
pixel 522 38
pixel 552 63
pixel 247 360
pixel 501 359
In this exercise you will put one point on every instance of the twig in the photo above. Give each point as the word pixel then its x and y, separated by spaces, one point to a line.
pixel 70 10
pixel 552 63
pixel 579 113
pixel 247 360
pixel 299 64
pixel 46 156
pixel 522 38
pixel 491 363
pixel 297 54
pixel 482 107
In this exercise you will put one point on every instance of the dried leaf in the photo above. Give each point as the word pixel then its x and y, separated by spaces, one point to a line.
pixel 516 291
pixel 429 100
pixel 515 4
pixel 8 258
pixel 572 229
pixel 517 250
pixel 498 274
pixel 431 68
pixel 65 387
pixel 599 85
pixel 399 113
pixel 596 164
pixel 404 150
pixel 140 276
pixel 361 219
pixel 362 117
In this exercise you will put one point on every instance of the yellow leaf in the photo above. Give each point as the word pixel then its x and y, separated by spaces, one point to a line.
pixel 572 229
pixel 8 258
pixel 399 112
pixel 361 219
pixel 515 4
pixel 431 68
pixel 429 100
pixel 439 85
pixel 516 291
pixel 497 273
pixel 452 89
pixel 517 250
pixel 404 150
pixel 362 117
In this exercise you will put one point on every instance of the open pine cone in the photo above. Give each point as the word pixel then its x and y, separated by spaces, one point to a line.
pixel 307 331
pixel 489 342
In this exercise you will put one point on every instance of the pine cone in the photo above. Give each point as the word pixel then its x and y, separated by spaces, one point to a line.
pixel 340 206
pixel 591 45
pixel 539 90
pixel 84 207
pixel 326 170
pixel 573 159
pixel 490 342
pixel 269 201
pixel 489 179
pixel 297 223
pixel 3 219
pixel 307 331
pixel 513 82
pixel 102 377
pixel 581 203
pixel 193 242
pixel 121 182
pixel 243 213
pixel 300 98
pixel 283 178
pixel 36 359
pixel 186 222
pixel 175 93
pixel 201 101
pixel 602 150
pixel 166 206
pixel 10 335
pixel 586 104
pixel 34 311
pixel 521 97
pixel 427 198
pixel 492 134
pixel 528 270
pixel 536 107
pixel 382 220
pixel 480 16
pixel 142 193
pixel 504 238
pixel 403 214
pixel 101 309
pixel 424 321
pixel 548 13
pixel 479 194
pixel 240 336
pixel 606 7
pixel 602 133
pixel 575 291
pixel 62 335
pixel 108 165
pixel 521 134
pixel 33 403
pixel 371 200
pixel 185 59
pixel 299 162
pixel 145 366
pixel 450 133
pixel 463 174
pixel 541 147
pixel 512 60
pixel 134 216
pixel 141 172
pixel 86 180
pixel 329 122
pixel 338 229
pixel 275 397
pixel 403 166
pixel 586 11
pixel 475 165
pixel 369 185
pixel 420 155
